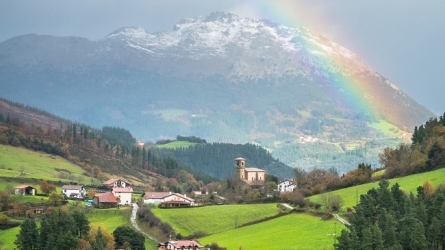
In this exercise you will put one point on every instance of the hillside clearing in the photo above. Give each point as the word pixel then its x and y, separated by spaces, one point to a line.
pixel 293 231
pixel 214 219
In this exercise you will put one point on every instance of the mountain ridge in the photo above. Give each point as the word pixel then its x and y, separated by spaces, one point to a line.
pixel 220 77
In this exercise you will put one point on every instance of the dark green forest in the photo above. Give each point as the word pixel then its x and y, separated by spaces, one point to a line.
pixel 387 218
pixel 217 159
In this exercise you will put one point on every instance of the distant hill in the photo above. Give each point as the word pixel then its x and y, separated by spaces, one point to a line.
pixel 220 77
pixel 218 159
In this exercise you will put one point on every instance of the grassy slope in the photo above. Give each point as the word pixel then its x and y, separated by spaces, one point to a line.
pixel 293 231
pixel 177 144
pixel 7 238
pixel 36 165
pixel 408 184
pixel 112 218
pixel 213 219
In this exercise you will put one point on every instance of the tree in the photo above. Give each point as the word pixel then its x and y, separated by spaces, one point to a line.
pixel 99 242
pixel 5 200
pixel 58 231
pixel 91 193
pixel 28 237
pixel 47 187
pixel 108 237
pixel 124 234
pixel 81 223
pixel 300 177
pixel 55 197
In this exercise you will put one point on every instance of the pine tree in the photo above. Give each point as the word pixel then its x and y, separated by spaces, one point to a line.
pixel 99 242
pixel 27 239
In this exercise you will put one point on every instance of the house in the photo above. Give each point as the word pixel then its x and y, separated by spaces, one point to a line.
pixel 154 197
pixel 287 186
pixel 250 176
pixel 177 200
pixel 74 191
pixel 123 194
pixel 179 245
pixel 112 183
pixel 167 199
pixel 25 190
pixel 105 200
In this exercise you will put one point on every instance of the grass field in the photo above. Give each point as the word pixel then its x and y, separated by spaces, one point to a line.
pixel 177 144
pixel 37 165
pixel 386 128
pixel 112 218
pixel 408 184
pixel 293 231
pixel 213 219
pixel 7 238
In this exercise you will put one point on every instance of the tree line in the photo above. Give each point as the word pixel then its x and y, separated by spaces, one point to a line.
pixel 71 230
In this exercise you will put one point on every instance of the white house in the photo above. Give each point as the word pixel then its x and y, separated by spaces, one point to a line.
pixel 287 186
pixel 124 195
pixel 167 199
pixel 154 197
pixel 74 191
pixel 25 190
pixel 176 200
pixel 113 183
pixel 180 245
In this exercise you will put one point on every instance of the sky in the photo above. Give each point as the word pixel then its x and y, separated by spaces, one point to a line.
pixel 403 40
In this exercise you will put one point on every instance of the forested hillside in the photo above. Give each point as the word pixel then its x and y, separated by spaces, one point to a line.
pixel 387 218
pixel 425 153
pixel 100 152
pixel 217 159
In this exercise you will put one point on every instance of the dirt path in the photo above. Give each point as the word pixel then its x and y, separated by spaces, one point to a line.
pixel 135 224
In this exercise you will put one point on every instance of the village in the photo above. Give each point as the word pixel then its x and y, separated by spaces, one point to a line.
pixel 117 192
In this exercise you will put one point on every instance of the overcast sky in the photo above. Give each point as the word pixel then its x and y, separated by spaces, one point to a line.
pixel 403 40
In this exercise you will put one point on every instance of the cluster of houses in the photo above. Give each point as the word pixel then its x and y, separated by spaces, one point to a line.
pixel 120 192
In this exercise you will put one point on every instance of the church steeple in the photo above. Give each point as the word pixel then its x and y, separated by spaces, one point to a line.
pixel 240 165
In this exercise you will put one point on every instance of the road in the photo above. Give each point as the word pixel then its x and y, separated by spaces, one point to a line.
pixel 135 224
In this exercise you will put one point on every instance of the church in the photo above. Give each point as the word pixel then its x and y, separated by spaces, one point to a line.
pixel 254 177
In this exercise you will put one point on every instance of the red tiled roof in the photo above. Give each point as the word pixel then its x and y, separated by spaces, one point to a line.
pixel 106 198
pixel 23 187
pixel 109 182
pixel 155 195
pixel 185 243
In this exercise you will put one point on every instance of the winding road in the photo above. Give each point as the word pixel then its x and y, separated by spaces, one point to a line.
pixel 135 224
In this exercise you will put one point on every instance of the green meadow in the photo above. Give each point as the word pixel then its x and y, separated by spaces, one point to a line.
pixel 385 127
pixel 293 231
pixel 7 238
pixel 408 184
pixel 213 219
pixel 112 218
pixel 176 144
pixel 37 165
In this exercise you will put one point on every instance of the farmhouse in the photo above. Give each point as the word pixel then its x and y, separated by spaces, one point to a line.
pixel 179 245
pixel 250 176
pixel 123 195
pixel 25 190
pixel 74 191
pixel 112 183
pixel 177 200
pixel 287 186
pixel 167 199
pixel 105 200
pixel 154 197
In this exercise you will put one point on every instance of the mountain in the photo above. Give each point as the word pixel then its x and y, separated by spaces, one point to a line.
pixel 219 77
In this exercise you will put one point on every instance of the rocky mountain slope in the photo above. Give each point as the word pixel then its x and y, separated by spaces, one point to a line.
pixel 219 77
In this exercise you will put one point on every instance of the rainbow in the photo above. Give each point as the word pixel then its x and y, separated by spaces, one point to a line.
pixel 349 90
